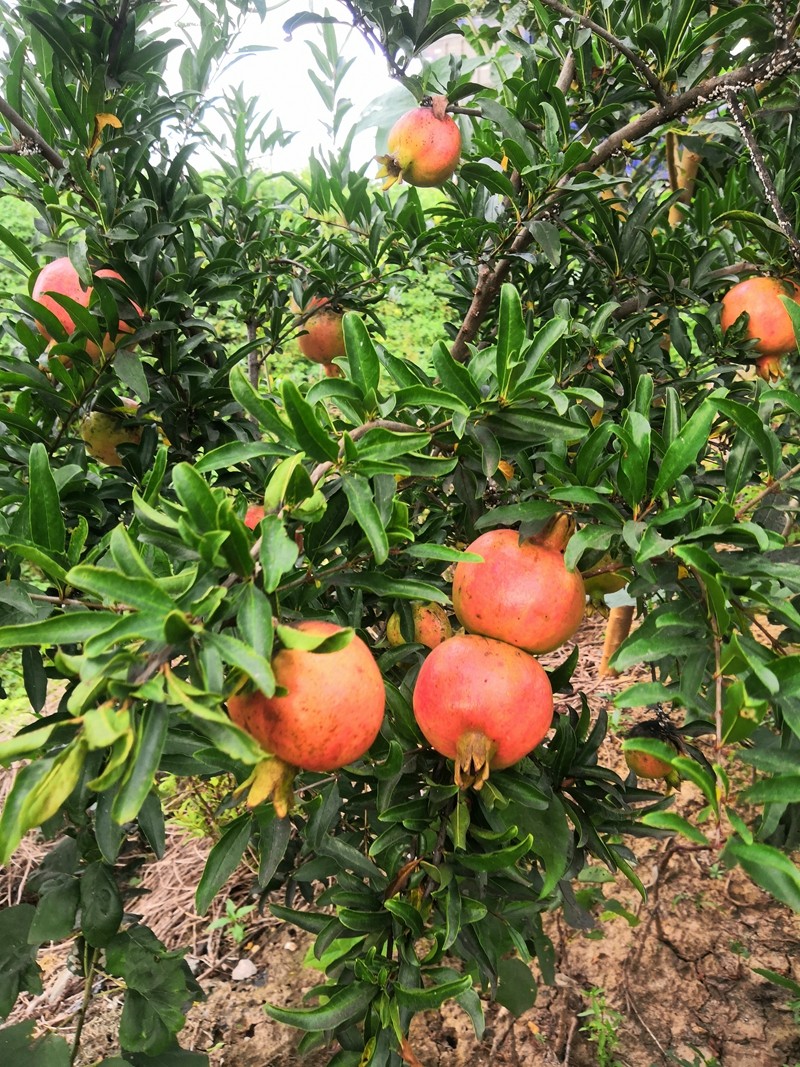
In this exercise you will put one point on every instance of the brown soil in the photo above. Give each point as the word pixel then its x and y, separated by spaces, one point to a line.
pixel 675 981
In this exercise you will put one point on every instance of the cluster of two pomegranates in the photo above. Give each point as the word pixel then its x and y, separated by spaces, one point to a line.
pixel 480 697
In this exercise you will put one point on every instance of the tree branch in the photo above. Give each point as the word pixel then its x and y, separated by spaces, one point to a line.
pixel 764 177
pixel 30 134
pixel 491 277
pixel 600 31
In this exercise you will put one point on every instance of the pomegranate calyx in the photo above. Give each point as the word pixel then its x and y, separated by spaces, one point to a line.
pixel 390 170
pixel 769 368
pixel 272 780
pixel 556 533
pixel 474 753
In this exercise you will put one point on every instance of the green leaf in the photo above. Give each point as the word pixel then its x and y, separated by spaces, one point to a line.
pixel 265 412
pixel 509 514
pixel 18 969
pixel 240 655
pixel 314 439
pixel 684 449
pixel 346 1005
pixel 365 370
pixel 278 552
pixel 44 506
pixel 141 593
pixel 423 550
pixel 432 997
pixel 19 1048
pixel 101 905
pixel 428 396
pixel 669 820
pixel 782 789
pixel 222 861
pixel 151 735
pixel 497 861
pixel 454 376
pixel 362 503
pixel 516 986
pixel 768 868
pixel 510 336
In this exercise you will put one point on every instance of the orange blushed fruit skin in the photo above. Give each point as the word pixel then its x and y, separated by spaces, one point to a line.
pixel 769 319
pixel 645 765
pixel 60 276
pixel 521 593
pixel 332 711
pixel 474 683
pixel 431 626
pixel 427 149
pixel 323 340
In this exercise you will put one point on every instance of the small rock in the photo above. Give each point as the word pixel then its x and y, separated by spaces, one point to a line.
pixel 290 946
pixel 243 970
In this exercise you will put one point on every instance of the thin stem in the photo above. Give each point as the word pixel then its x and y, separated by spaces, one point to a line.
pixel 321 469
pixel 600 31
pixel 764 176
pixel 776 484
pixel 90 959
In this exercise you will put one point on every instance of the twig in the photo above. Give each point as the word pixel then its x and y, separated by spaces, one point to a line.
pixel 756 500
pixel 764 176
pixel 600 31
pixel 31 134
pixel 90 960
pixel 321 469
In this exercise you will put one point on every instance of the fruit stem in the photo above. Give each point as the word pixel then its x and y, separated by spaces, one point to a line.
pixel 474 753
pixel 556 533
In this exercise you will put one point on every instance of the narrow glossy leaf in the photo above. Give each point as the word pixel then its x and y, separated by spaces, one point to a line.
pixel 278 553
pixel 101 905
pixel 510 335
pixel 431 997
pixel 345 1006
pixel 428 550
pixel 509 514
pixel 265 412
pixel 240 655
pixel 254 621
pixel 454 376
pixel 223 859
pixel 314 439
pixel 44 506
pixel 684 449
pixel 362 504
pixel 769 868
pixel 752 424
pixel 428 396
pixel 782 789
pixel 151 734
pixel 497 861
pixel 402 588
pixel 516 989
pixel 365 370
pixel 139 593
pixel 669 820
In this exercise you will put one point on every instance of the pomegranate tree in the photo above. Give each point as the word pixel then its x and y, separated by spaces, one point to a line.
pixel 482 703
pixel 522 593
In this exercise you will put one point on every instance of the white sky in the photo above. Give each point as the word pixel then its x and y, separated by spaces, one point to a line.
pixel 280 78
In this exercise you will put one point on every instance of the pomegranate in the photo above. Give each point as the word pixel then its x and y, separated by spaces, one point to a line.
pixel 645 765
pixel 769 323
pixel 103 431
pixel 253 516
pixel 482 703
pixel 332 710
pixel 522 593
pixel 431 626
pixel 60 277
pixel 323 340
pixel 424 147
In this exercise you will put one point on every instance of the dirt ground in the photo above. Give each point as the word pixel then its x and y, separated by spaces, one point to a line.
pixel 671 981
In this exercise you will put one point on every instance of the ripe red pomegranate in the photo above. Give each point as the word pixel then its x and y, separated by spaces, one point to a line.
pixel 483 704
pixel 253 516
pixel 769 320
pixel 332 711
pixel 431 626
pixel 61 277
pixel 424 147
pixel 323 340
pixel 522 593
